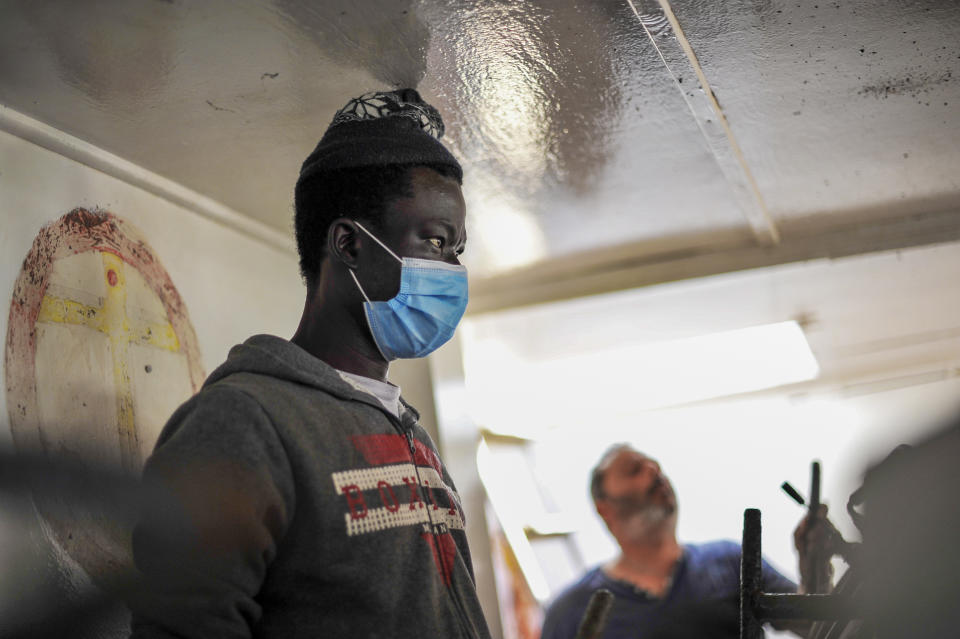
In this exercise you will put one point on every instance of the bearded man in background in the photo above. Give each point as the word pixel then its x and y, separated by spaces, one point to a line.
pixel 663 588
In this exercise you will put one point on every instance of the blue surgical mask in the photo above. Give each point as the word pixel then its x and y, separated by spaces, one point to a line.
pixel 425 312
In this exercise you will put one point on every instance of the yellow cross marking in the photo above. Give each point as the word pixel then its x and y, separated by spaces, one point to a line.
pixel 111 319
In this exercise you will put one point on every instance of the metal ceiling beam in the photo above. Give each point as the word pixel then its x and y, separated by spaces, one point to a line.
pixel 827 236
pixel 658 21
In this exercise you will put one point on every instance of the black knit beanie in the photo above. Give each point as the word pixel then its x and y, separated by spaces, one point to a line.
pixel 381 128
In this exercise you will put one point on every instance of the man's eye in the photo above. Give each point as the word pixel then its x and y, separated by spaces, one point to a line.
pixel 436 241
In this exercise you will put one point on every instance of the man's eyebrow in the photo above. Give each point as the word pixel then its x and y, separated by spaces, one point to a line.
pixel 442 222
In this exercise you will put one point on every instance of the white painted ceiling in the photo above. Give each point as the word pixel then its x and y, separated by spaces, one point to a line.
pixel 873 322
pixel 588 129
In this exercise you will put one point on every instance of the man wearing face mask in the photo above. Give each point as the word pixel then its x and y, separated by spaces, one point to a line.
pixel 311 503
pixel 664 589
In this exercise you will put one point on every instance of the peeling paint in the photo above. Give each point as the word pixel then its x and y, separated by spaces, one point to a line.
pixel 219 108
pixel 915 84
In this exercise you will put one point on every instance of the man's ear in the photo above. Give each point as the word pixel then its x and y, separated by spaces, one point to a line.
pixel 342 239
pixel 604 509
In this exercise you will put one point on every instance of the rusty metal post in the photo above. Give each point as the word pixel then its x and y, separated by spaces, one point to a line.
pixel 750 575
pixel 814 578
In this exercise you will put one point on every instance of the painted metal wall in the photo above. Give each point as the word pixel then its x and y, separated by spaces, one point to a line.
pixel 230 285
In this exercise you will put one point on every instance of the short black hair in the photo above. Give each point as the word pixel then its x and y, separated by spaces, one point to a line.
pixel 356 193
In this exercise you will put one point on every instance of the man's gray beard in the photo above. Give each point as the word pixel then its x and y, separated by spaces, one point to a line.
pixel 640 523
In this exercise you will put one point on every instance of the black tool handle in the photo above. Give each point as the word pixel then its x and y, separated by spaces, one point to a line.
pixel 595 617
pixel 815 579
pixel 814 487
pixel 794 495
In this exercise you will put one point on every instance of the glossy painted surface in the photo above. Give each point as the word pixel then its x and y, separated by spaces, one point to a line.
pixel 574 134
pixel 839 105
pixel 571 130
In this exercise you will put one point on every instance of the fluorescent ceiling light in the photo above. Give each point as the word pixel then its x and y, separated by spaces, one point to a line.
pixel 715 365
pixel 639 375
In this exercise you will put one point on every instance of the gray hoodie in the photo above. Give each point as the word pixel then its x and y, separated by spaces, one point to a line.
pixel 310 512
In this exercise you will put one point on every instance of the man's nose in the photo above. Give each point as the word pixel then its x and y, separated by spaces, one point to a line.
pixel 651 466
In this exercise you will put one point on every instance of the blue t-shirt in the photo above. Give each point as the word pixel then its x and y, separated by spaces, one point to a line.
pixel 702 602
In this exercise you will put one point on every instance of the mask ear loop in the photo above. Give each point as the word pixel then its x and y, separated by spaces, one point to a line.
pixel 357 282
pixel 375 239
pixel 385 248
